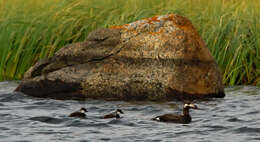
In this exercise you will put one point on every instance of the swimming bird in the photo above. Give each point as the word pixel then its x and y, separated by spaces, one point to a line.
pixel 115 114
pixel 80 113
pixel 184 118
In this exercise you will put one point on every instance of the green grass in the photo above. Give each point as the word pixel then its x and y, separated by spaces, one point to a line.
pixel 31 29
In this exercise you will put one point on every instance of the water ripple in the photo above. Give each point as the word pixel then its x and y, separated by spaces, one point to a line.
pixel 247 130
pixel 24 118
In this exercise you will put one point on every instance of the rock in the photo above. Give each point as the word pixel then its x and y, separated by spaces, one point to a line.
pixel 158 58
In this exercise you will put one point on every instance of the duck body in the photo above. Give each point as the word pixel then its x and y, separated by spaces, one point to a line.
pixel 115 114
pixel 173 118
pixel 79 114
pixel 184 118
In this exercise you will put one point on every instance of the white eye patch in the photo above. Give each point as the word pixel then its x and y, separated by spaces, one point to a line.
pixel 192 105
pixel 189 105
pixel 186 105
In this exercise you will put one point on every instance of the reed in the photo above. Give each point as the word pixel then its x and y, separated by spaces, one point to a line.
pixel 31 30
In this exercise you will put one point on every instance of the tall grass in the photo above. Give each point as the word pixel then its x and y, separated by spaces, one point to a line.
pixel 31 30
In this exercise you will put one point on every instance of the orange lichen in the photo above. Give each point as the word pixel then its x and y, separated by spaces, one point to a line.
pixel 119 27
pixel 153 33
pixel 152 19
pixel 170 17
pixel 137 27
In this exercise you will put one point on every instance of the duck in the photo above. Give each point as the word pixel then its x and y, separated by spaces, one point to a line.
pixel 185 118
pixel 80 113
pixel 115 114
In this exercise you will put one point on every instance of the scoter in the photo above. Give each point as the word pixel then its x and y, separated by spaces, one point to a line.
pixel 80 113
pixel 184 118
pixel 115 114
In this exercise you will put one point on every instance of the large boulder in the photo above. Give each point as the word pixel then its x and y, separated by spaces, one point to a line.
pixel 158 58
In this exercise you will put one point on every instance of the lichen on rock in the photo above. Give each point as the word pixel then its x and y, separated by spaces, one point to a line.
pixel 158 58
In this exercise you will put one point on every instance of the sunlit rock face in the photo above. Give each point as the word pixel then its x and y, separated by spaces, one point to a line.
pixel 158 58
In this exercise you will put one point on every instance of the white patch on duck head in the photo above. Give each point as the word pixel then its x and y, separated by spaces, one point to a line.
pixel 83 110
pixel 186 105
pixel 157 118
pixel 192 105
pixel 189 105
pixel 119 111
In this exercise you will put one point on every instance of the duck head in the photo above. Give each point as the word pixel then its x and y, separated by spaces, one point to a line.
pixel 118 111
pixel 83 110
pixel 189 105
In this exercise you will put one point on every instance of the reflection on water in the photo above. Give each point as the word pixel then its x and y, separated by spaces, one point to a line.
pixel 234 118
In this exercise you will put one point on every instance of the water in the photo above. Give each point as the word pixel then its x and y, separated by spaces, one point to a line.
pixel 236 118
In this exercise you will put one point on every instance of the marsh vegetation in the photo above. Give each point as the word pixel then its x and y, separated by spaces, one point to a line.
pixel 31 30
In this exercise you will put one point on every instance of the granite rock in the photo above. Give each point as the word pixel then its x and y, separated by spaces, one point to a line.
pixel 158 58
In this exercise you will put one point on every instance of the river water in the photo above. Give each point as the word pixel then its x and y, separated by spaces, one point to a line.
pixel 236 118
